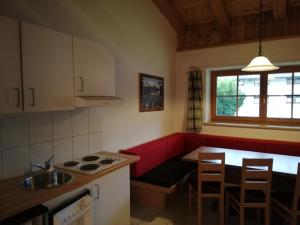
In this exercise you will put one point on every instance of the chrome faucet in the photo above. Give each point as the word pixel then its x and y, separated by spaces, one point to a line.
pixel 48 164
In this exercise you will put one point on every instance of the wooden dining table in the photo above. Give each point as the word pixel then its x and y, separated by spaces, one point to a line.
pixel 282 164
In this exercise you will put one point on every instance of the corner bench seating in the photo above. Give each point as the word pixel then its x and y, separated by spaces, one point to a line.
pixel 160 167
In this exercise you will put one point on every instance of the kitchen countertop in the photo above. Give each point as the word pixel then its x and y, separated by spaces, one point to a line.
pixel 14 198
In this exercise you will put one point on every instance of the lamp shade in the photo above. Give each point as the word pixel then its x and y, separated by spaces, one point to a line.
pixel 260 63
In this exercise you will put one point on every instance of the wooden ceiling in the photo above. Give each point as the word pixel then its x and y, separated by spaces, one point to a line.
pixel 206 23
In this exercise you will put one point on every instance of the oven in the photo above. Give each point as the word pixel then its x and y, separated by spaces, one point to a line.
pixel 74 210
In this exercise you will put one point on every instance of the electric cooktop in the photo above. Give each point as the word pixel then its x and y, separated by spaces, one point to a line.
pixel 91 164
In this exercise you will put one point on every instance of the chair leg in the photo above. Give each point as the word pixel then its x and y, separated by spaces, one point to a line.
pixel 294 218
pixel 221 202
pixel 267 216
pixel 199 211
pixel 242 216
pixel 227 209
pixel 258 216
pixel 190 198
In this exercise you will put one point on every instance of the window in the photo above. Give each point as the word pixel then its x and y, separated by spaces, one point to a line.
pixel 263 97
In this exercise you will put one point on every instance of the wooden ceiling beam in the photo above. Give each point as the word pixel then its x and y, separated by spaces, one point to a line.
pixel 189 5
pixel 220 13
pixel 242 30
pixel 279 9
pixel 170 13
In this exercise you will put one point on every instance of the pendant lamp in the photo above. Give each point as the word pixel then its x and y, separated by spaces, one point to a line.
pixel 260 62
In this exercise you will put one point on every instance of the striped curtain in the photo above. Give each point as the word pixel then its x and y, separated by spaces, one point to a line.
pixel 195 92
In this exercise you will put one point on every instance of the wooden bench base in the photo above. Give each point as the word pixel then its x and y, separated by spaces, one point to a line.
pixel 149 195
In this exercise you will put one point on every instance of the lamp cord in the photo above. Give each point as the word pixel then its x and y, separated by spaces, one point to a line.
pixel 260 28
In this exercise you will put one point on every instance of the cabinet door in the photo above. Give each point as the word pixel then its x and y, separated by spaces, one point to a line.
pixel 47 58
pixel 10 67
pixel 113 205
pixel 94 69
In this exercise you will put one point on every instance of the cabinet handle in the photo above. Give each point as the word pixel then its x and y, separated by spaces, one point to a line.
pixel 18 93
pixel 33 96
pixel 98 191
pixel 81 84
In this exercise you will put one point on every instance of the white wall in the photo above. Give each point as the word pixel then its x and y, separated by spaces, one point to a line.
pixel 278 51
pixel 141 40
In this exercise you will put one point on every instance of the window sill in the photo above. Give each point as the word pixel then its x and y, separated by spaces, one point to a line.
pixel 253 126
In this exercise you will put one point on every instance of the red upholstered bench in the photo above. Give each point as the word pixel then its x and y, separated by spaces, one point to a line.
pixel 159 169
pixel 158 156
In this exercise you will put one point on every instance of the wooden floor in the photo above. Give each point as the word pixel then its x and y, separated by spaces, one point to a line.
pixel 177 213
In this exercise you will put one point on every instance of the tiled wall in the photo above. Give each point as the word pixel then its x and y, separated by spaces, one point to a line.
pixel 34 137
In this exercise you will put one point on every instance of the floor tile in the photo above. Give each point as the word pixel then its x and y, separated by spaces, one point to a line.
pixel 155 220
pixel 138 213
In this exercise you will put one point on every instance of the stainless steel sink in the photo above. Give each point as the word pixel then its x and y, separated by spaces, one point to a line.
pixel 47 180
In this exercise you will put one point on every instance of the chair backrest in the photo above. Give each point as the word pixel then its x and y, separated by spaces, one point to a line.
pixel 256 175
pixel 297 191
pixel 211 168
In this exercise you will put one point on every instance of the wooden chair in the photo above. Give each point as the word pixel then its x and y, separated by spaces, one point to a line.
pixel 209 182
pixel 287 204
pixel 254 191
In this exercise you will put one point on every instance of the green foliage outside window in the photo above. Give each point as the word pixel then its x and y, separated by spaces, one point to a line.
pixel 226 105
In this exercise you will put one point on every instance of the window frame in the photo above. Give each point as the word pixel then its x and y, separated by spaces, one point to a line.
pixel 262 118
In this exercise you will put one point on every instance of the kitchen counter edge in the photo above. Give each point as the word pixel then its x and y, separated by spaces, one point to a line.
pixel 15 199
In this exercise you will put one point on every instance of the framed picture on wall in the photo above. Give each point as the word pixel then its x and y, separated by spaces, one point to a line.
pixel 151 93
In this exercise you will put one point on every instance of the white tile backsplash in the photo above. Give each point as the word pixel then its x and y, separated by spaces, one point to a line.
pixel 95 142
pixel 95 120
pixel 14 131
pixel 40 128
pixel 62 125
pixel 62 150
pixel 80 122
pixel 34 137
pixel 80 146
pixel 15 161
pixel 39 153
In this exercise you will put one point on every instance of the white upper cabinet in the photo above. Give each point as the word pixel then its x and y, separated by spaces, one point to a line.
pixel 47 60
pixel 93 68
pixel 10 67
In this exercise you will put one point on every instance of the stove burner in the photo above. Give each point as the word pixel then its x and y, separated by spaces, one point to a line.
pixel 107 161
pixel 71 163
pixel 89 167
pixel 90 158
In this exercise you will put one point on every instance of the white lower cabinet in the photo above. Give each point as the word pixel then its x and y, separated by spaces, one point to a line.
pixel 111 198
pixel 112 206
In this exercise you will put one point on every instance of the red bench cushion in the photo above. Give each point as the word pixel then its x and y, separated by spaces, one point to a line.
pixel 235 143
pixel 175 145
pixel 155 152
pixel 193 141
pixel 283 147
pixel 151 155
